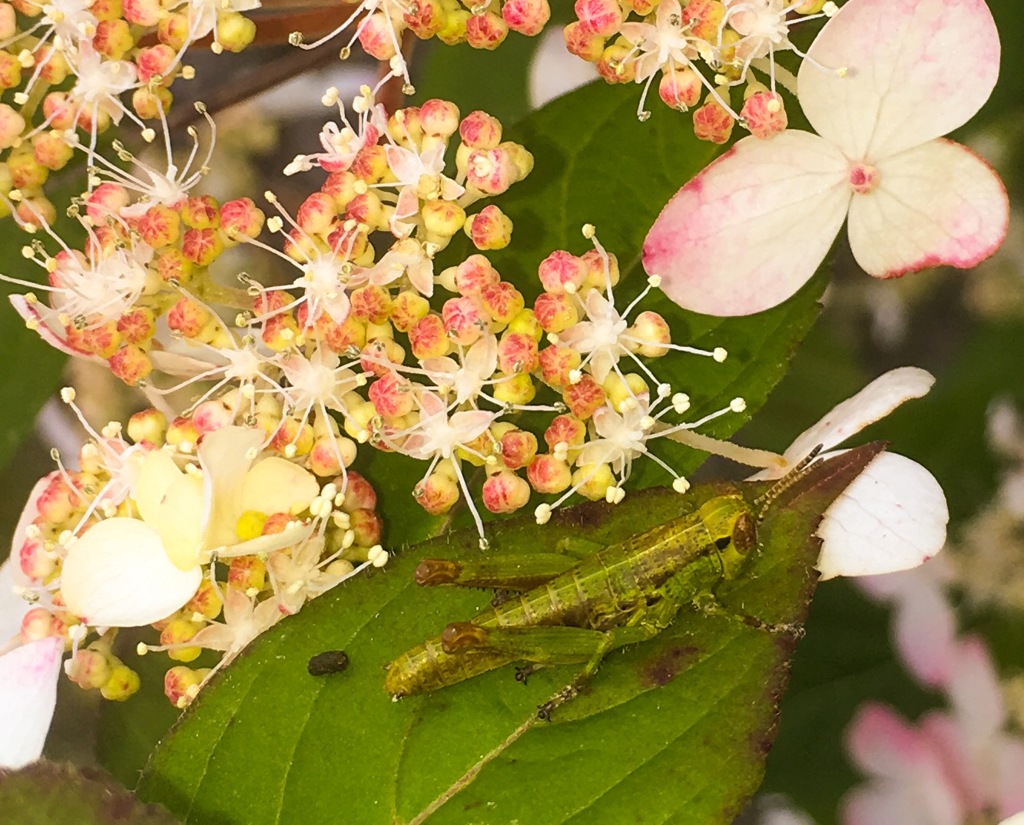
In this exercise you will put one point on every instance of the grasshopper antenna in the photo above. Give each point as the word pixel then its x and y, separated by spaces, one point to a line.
pixel 771 495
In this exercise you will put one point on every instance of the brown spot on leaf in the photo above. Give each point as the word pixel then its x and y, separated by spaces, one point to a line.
pixel 668 664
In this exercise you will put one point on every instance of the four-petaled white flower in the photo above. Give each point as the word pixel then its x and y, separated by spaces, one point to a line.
pixel 752 228
pixel 128 572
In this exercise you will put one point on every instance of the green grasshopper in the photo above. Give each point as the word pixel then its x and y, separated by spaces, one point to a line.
pixel 572 611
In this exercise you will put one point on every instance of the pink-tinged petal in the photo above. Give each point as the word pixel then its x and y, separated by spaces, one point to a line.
pixel 936 204
pixel 752 228
pixel 871 404
pixel 892 517
pixel 916 70
pixel 966 761
pixel 55 337
pixel 118 575
pixel 973 689
pixel 1010 776
pixel 889 803
pixel 28 695
pixel 882 744
pixel 925 631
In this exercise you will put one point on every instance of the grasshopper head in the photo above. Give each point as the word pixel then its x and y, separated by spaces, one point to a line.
pixel 733 529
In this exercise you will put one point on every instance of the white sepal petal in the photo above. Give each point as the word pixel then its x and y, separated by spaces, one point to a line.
pixel 28 695
pixel 936 204
pixel 753 227
pixel 892 517
pixel 119 575
pixel 915 70
pixel 874 402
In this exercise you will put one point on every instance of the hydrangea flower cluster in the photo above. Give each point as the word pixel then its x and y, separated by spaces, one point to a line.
pixel 210 544
pixel 71 68
pixel 352 351
pixel 212 522
pixel 700 49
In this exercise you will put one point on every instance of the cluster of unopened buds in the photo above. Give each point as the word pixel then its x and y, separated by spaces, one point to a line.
pixel 192 526
pixel 352 351
pixel 700 51
pixel 71 68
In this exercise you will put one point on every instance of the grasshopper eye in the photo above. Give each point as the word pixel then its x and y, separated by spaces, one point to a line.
pixel 723 543
pixel 744 533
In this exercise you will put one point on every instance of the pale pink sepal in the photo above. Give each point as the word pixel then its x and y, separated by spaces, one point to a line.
pixel 871 404
pixel 916 70
pixel 892 517
pixel 28 695
pixel 119 575
pixel 935 204
pixel 909 787
pixel 751 229
pixel 924 631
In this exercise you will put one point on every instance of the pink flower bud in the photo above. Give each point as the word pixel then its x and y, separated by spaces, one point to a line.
pixel 584 397
pixel 479 130
pixel 712 123
pixel 428 338
pixel 436 494
pixel 562 272
pixel 486 31
pixel 518 448
pixel 489 229
pixel 517 353
pixel 602 17
pixel 241 218
pixel 505 492
pixel 11 125
pixel 475 273
pixel 464 319
pixel 555 312
pixel 565 429
pixel 556 363
pixel 764 114
pixel 501 301
pixel 526 16
pixel 680 89
pixel 131 364
pixel 548 474
pixel 439 118
pixel 378 36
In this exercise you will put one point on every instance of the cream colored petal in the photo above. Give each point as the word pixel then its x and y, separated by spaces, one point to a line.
pixel 157 473
pixel 118 575
pixel 275 485
pixel 226 456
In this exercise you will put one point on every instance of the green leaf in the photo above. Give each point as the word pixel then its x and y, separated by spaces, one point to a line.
pixel 30 369
pixel 46 793
pixel 674 729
